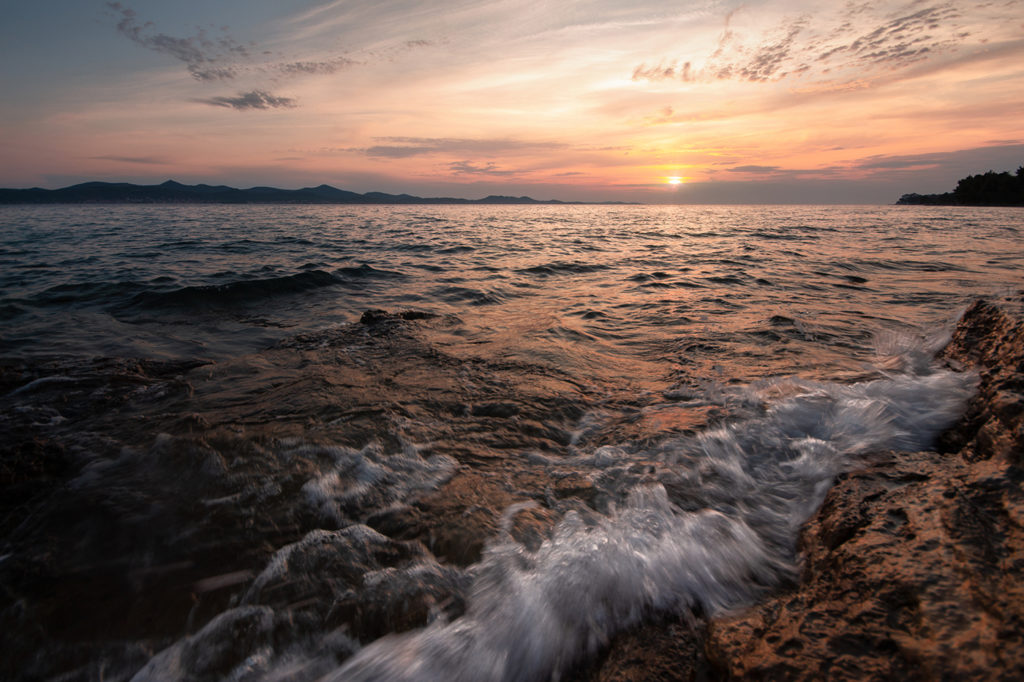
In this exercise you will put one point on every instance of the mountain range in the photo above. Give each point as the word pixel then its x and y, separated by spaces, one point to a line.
pixel 172 192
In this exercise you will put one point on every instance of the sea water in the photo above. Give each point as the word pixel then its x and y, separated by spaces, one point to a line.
pixel 698 374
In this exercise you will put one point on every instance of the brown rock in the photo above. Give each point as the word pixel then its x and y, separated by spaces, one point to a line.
pixel 991 337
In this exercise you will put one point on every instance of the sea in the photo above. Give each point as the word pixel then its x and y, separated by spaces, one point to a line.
pixel 446 442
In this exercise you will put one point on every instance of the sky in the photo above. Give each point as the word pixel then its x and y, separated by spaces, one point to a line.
pixel 703 101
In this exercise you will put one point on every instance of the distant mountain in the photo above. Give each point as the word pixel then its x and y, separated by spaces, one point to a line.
pixel 988 189
pixel 172 192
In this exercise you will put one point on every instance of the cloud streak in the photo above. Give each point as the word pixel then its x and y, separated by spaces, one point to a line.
pixel 404 147
pixel 146 160
pixel 819 46
pixel 753 169
pixel 256 99
pixel 470 168
pixel 324 67
pixel 1000 156
pixel 200 53
pixel 222 58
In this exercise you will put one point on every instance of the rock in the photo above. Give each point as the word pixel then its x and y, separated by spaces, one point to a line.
pixel 502 410
pixel 362 581
pixel 911 569
pixel 991 338
pixel 400 599
pixel 668 650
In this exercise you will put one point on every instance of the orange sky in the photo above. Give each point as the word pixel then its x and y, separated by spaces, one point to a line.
pixel 594 100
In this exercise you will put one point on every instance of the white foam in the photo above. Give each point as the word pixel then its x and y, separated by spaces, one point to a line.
pixel 361 480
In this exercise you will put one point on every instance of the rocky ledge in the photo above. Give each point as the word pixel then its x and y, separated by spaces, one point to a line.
pixel 912 568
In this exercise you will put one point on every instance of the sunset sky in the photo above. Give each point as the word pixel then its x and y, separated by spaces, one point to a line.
pixel 760 101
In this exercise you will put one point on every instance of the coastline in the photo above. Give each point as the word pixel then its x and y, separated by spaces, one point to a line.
pixel 910 567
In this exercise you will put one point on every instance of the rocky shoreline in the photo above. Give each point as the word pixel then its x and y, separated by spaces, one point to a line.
pixel 912 567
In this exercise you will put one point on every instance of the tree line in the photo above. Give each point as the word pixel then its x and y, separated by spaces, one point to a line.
pixel 984 189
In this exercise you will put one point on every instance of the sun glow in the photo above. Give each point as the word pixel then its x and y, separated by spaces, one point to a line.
pixel 674 180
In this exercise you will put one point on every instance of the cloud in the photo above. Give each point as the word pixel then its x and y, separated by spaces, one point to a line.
pixel 220 58
pixel 256 99
pixel 327 66
pixel 469 168
pixel 397 151
pixel 132 159
pixel 199 52
pixel 771 56
pixel 975 160
pixel 404 147
pixel 906 38
pixel 212 73
pixel 820 44
pixel 664 71
pixel 753 169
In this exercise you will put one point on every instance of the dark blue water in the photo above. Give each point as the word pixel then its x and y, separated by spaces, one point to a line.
pixel 565 421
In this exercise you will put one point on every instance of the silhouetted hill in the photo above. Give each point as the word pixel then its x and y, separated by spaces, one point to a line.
pixel 988 189
pixel 172 192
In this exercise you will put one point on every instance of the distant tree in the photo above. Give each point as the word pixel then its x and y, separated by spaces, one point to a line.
pixel 986 189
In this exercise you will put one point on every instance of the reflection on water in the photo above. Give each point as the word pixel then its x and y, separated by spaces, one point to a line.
pixel 600 289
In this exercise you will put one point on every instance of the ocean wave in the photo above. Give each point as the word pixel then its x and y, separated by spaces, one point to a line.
pixel 475 297
pixel 716 529
pixel 234 293
pixel 364 271
pixel 85 293
pixel 563 267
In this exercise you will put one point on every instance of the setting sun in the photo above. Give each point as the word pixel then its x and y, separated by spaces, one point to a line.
pixel 675 180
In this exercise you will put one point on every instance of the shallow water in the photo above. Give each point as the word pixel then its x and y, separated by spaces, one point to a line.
pixel 583 417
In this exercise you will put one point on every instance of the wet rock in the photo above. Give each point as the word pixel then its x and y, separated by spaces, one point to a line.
pixel 501 410
pixel 991 337
pixel 911 569
pixel 326 564
pixel 400 599
pixel 668 650
pixel 357 579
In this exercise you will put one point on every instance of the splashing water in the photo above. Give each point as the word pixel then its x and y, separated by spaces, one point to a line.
pixel 533 614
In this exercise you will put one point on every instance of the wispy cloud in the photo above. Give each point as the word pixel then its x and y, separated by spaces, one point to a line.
pixel 771 56
pixel 200 53
pixel 753 169
pixel 470 168
pixel 397 151
pixel 323 67
pixel 999 157
pixel 404 147
pixel 256 99
pixel 148 160
pixel 210 58
pixel 821 45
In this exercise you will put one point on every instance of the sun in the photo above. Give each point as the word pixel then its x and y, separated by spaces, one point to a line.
pixel 674 180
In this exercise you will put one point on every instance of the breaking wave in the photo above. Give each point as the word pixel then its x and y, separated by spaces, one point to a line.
pixel 713 529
